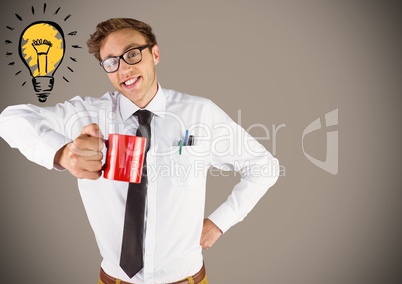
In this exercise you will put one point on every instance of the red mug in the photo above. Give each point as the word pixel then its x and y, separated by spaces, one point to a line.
pixel 124 158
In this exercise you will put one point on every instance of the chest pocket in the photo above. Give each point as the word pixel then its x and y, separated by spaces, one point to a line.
pixel 190 166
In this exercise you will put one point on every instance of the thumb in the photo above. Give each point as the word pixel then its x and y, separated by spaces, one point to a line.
pixel 92 130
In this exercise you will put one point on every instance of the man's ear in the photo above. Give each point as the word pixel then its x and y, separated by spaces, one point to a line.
pixel 155 54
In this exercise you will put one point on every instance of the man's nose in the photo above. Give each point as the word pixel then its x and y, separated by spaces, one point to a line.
pixel 124 66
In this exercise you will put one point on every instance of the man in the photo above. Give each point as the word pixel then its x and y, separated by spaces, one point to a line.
pixel 71 135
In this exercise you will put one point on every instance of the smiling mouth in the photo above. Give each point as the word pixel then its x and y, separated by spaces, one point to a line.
pixel 130 82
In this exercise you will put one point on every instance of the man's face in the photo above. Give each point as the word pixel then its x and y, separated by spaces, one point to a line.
pixel 137 82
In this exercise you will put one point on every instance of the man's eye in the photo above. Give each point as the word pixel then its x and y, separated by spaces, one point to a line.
pixel 110 63
pixel 132 54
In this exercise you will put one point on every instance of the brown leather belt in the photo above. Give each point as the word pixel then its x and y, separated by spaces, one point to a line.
pixel 197 278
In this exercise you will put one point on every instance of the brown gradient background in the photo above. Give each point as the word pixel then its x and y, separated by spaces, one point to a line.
pixel 278 62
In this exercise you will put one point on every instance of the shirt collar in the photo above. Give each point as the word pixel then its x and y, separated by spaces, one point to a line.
pixel 157 105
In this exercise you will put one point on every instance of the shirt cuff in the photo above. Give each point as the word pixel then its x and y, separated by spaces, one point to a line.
pixel 47 147
pixel 224 217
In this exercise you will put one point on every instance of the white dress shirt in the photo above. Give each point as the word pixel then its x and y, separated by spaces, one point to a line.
pixel 176 182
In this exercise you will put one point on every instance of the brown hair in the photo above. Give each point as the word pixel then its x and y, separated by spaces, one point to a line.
pixel 105 28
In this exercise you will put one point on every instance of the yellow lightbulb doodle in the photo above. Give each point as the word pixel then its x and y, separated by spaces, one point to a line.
pixel 42 49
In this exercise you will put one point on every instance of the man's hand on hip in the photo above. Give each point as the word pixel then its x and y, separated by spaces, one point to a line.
pixel 210 234
pixel 83 157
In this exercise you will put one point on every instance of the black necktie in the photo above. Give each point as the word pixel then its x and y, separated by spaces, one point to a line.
pixel 131 258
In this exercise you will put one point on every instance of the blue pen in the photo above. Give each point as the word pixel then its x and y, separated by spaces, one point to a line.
pixel 186 139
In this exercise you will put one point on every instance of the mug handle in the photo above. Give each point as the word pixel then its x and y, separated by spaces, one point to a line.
pixel 106 141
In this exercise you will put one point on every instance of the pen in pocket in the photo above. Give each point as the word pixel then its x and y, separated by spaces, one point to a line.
pixel 191 140
pixel 180 146
pixel 188 141
pixel 185 142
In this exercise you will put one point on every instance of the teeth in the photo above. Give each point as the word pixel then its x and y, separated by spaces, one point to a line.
pixel 130 82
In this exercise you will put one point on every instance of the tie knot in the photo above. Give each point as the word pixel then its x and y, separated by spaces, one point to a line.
pixel 144 116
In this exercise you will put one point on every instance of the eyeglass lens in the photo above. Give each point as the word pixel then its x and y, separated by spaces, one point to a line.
pixel 131 57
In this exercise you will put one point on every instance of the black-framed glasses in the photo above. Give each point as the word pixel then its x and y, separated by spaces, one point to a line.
pixel 131 57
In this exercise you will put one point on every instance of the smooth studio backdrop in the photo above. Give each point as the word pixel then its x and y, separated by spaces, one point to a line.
pixel 274 67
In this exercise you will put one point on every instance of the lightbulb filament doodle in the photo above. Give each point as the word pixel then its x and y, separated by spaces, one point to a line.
pixel 42 49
